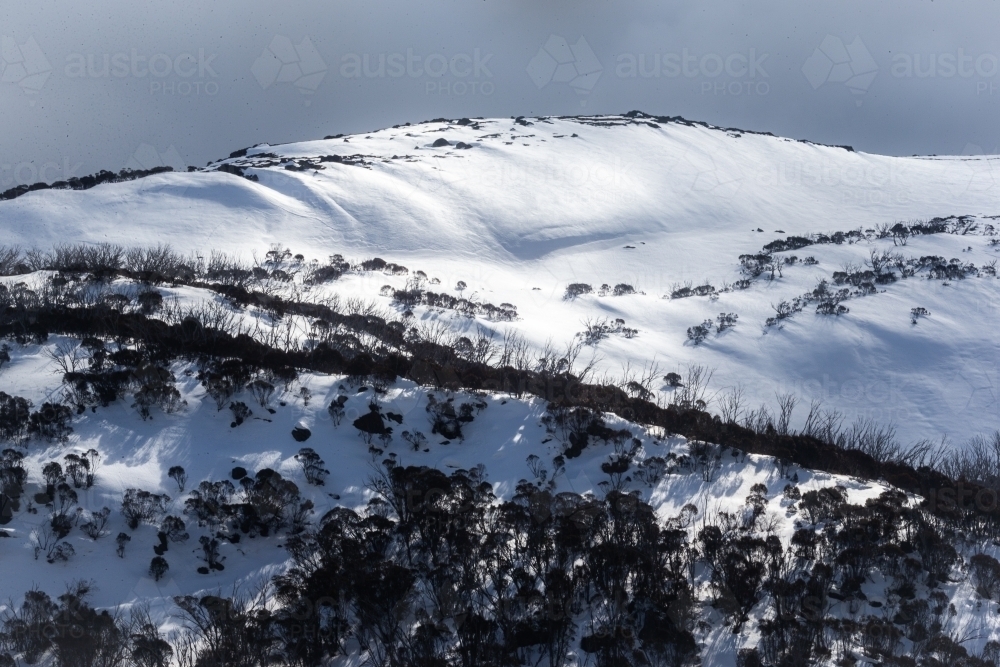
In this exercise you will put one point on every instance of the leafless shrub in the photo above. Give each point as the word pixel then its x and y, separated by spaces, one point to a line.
pixel 514 351
pixel 732 404
pixel 876 440
pixel 638 382
pixel 760 420
pixel 693 393
pixel 155 263
pixel 823 424
pixel 786 405
pixel 977 461
pixel 11 261
pixel 67 356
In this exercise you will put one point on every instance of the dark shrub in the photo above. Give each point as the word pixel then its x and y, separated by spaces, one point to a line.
pixel 577 289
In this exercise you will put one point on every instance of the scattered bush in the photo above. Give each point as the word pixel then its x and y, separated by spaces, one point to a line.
pixel 121 541
pixel 98 521
pixel 158 567
pixel 685 291
pixel 140 506
pixel 336 409
pixel 179 476
pixel 371 424
pixel 210 554
pixel 726 321
pixel 698 333
pixel 577 289
pixel 312 466
pixel 240 413
pixel 784 310
pixel 155 389
pixel 446 421
pixel 262 390
pixel 173 528
pixel 51 422
pixel 985 575
pixel 417 439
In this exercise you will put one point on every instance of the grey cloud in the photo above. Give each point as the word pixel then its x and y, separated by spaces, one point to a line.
pixel 88 85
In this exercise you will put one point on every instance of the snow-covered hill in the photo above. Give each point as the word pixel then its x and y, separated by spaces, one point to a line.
pixel 520 209
pixel 761 271
pixel 512 439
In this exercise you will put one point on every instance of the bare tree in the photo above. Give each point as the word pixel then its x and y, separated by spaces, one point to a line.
pixel 66 355
pixel 786 405
pixel 514 352
pixel 732 404
pixel 693 393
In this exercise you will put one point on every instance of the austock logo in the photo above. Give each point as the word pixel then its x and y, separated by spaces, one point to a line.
pixel 284 62
pixel 835 62
pixel 147 157
pixel 558 61
pixel 24 65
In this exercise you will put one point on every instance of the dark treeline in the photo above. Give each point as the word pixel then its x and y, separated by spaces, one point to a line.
pixel 435 571
pixel 84 182
pixel 483 364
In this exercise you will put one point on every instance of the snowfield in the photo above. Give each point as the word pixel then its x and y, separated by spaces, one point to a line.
pixel 861 285
pixel 518 210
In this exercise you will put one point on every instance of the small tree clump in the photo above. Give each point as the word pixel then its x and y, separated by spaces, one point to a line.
pixel 178 474
pixel 158 567
pixel 140 506
pixel 336 409
pixel 917 313
pixel 240 413
pixel 51 422
pixel 312 466
pixel 121 541
pixel 698 333
pixel 98 520
pixel 726 321
pixel 262 390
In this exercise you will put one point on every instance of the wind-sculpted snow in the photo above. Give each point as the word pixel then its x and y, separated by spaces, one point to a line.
pixel 521 208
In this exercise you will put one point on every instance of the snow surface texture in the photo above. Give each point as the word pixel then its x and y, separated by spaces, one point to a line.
pixel 520 209
pixel 523 212
pixel 502 435
pixel 138 454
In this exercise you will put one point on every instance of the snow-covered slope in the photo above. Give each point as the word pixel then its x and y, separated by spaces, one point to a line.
pixel 503 436
pixel 520 209
pixel 521 193
pixel 514 212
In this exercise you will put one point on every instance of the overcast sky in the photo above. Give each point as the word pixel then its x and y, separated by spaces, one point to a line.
pixel 109 84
